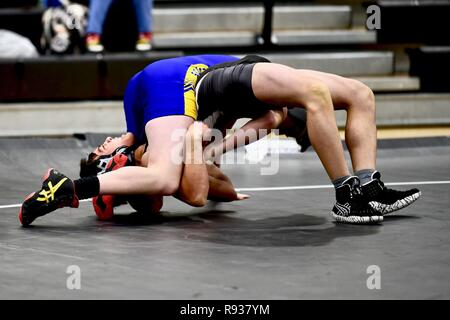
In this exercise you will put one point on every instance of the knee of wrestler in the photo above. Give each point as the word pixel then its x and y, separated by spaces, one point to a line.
pixel 317 96
pixel 363 95
pixel 198 201
pixel 169 187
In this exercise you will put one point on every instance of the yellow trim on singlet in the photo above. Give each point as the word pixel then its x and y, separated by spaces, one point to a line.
pixel 190 80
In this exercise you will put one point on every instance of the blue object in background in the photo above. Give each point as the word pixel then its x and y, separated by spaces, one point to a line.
pixel 98 11
pixel 52 3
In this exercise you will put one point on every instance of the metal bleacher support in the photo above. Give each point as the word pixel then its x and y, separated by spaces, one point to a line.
pixel 225 25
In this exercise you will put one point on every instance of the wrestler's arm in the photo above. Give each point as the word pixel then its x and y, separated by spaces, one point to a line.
pixel 245 135
pixel 220 186
pixel 199 182
pixel 194 184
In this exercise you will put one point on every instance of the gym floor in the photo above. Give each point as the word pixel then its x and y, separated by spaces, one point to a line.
pixel 280 244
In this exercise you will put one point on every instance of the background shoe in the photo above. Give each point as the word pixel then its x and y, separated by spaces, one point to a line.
pixel 144 42
pixel 385 200
pixel 93 43
pixel 57 191
pixel 351 207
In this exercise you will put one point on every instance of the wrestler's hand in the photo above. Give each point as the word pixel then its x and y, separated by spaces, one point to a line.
pixel 198 131
pixel 139 159
pixel 241 196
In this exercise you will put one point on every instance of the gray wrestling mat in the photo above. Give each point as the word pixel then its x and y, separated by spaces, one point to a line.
pixel 280 244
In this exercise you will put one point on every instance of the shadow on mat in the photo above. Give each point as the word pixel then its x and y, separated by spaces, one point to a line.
pixel 221 227
pixel 289 231
pixel 136 219
pixel 218 226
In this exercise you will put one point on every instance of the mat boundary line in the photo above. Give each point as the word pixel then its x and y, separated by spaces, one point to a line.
pixel 311 187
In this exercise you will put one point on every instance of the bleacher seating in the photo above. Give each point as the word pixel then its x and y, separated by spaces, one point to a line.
pixel 432 66
pixel 423 26
pixel 420 21
pixel 72 77
pixel 321 37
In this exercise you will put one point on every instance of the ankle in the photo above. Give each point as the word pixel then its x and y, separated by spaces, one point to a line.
pixel 340 181
pixel 93 35
pixel 87 187
pixel 365 175
pixel 148 35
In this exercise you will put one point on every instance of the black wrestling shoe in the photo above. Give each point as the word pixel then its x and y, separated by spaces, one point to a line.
pixel 351 207
pixel 57 191
pixel 384 200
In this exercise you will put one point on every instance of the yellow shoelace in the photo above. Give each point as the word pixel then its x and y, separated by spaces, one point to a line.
pixel 49 195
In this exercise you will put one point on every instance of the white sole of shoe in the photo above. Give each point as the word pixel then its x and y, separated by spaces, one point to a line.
pixel 95 49
pixel 399 204
pixel 143 47
pixel 357 219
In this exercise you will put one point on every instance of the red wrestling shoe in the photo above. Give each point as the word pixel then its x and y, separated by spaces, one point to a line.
pixel 104 204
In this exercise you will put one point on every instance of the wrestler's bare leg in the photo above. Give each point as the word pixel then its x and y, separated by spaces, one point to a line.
pixel 359 102
pixel 163 173
pixel 280 85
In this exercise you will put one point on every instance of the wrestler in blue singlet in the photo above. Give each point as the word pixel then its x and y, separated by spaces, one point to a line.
pixel 165 88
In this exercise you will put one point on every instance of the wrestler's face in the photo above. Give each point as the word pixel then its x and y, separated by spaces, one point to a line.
pixel 111 144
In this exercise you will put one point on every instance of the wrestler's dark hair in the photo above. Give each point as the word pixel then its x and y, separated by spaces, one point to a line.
pixel 88 166
pixel 298 130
